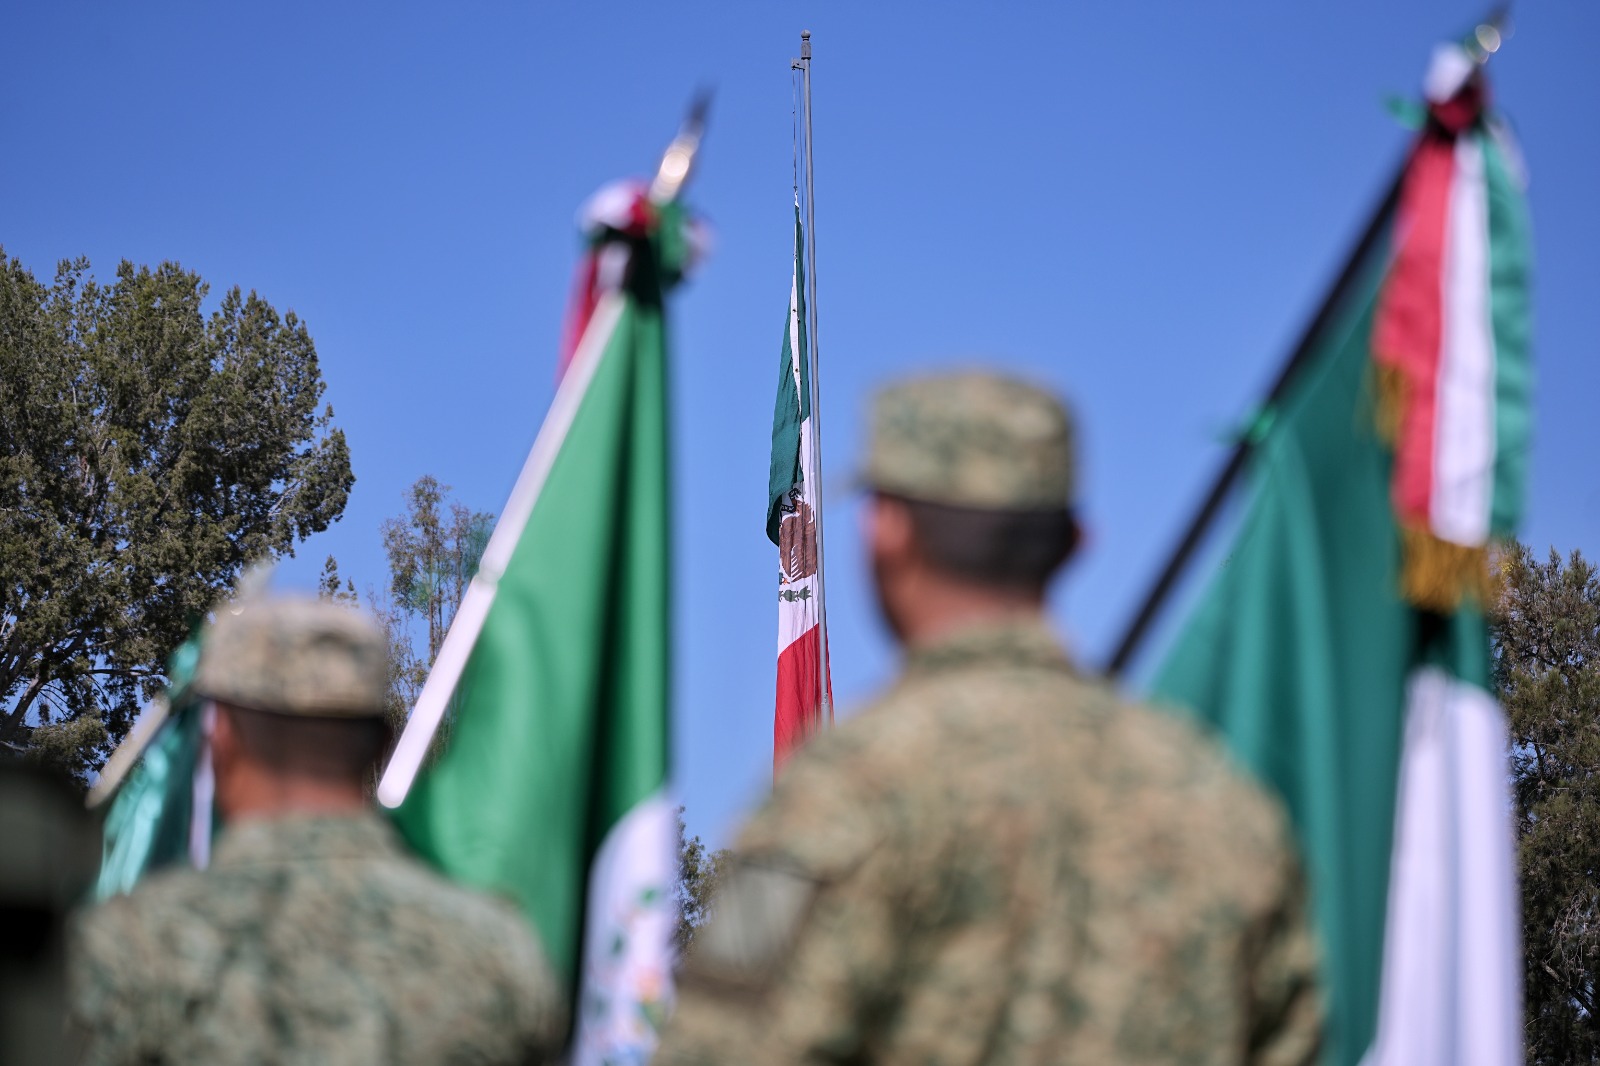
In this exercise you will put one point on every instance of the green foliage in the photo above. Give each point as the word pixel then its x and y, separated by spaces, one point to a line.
pixel 69 747
pixel 1547 645
pixel 432 558
pixel 699 872
pixel 148 452
pixel 330 588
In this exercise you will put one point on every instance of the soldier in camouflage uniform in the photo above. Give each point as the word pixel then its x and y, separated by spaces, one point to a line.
pixel 312 937
pixel 998 861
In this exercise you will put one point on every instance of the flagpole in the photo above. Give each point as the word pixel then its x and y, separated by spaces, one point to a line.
pixel 1157 594
pixel 826 697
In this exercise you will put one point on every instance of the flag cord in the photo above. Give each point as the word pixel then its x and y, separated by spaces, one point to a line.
pixel 794 129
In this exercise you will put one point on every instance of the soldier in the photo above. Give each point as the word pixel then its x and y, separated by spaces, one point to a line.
pixel 312 937
pixel 998 861
pixel 50 854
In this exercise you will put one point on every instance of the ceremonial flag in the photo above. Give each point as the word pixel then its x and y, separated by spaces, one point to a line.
pixel 793 512
pixel 1342 651
pixel 159 785
pixel 552 790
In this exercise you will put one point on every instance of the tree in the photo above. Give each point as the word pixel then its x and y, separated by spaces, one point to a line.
pixel 432 558
pixel 329 586
pixel 1547 664
pixel 407 670
pixel 148 452
pixel 433 549
pixel 700 871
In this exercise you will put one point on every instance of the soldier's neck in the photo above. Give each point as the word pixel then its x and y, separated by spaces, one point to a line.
pixel 943 607
pixel 264 796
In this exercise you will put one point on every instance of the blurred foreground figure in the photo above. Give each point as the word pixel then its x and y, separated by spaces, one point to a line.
pixel 312 938
pixel 998 861
pixel 48 863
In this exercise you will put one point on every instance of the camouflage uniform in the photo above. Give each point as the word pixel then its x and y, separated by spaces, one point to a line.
pixel 310 939
pixel 999 861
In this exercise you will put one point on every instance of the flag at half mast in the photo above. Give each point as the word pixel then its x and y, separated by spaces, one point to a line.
pixel 794 513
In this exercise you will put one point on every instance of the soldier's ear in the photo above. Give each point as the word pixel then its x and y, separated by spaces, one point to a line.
pixel 224 739
pixel 1074 540
pixel 890 532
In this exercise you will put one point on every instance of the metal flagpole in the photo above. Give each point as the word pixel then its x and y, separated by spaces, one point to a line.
pixel 804 64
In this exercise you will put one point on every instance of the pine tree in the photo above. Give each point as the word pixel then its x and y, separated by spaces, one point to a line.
pixel 1547 644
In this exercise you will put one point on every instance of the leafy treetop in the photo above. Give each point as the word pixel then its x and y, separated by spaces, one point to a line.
pixel 1547 664
pixel 148 452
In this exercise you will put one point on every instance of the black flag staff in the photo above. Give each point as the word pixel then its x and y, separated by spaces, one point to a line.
pixel 1489 36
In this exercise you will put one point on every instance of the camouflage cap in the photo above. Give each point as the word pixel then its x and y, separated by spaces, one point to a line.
pixel 293 655
pixel 972 439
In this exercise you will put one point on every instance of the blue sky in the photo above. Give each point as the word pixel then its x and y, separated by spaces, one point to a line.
pixel 1137 203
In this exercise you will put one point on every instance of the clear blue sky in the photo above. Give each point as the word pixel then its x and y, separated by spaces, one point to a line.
pixel 1139 203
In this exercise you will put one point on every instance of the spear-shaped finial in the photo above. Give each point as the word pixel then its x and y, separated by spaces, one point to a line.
pixel 1487 37
pixel 678 160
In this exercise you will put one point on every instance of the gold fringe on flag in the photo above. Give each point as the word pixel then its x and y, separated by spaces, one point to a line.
pixel 1392 392
pixel 1437 575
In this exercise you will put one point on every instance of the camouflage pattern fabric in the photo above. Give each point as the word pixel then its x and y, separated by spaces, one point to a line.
pixel 974 439
pixel 293 655
pixel 1000 863
pixel 311 940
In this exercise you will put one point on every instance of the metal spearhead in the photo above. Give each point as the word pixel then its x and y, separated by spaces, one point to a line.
pixel 678 161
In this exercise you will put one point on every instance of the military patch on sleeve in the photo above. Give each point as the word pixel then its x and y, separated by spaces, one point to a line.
pixel 760 910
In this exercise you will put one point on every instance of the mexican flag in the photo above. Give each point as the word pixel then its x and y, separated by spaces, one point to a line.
pixel 552 790
pixel 1342 651
pixel 794 511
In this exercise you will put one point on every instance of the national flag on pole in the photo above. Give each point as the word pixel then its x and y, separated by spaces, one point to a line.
pixel 794 510
pixel 552 790
pixel 1359 689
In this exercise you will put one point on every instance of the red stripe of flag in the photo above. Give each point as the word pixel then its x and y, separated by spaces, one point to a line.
pixel 1409 332
pixel 798 708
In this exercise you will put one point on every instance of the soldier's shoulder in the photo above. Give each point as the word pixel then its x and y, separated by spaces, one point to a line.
pixel 116 947
pixel 457 925
pixel 875 778
pixel 832 802
pixel 1187 760
pixel 477 912
pixel 164 900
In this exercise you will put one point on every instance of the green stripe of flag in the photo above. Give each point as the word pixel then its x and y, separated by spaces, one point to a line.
pixel 1510 261
pixel 793 405
pixel 1300 650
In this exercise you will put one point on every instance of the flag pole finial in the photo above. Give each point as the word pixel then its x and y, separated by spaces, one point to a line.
pixel 1488 35
pixel 677 162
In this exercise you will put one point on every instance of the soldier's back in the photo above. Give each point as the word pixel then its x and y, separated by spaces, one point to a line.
pixel 312 940
pixel 1012 866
